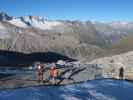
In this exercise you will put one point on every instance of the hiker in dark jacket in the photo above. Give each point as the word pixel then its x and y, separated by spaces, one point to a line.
pixel 121 73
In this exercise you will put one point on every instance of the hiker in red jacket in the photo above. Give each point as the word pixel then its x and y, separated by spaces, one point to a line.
pixel 53 73
pixel 40 70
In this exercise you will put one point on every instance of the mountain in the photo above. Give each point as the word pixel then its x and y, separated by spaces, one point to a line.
pixel 4 17
pixel 124 44
pixel 113 32
pixel 33 21
pixel 76 39
pixel 121 25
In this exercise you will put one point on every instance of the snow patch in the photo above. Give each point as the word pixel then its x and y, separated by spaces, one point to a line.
pixel 70 88
pixel 34 22
pixel 18 22
pixel 69 97
pixel 89 86
pixel 100 96
pixel 48 25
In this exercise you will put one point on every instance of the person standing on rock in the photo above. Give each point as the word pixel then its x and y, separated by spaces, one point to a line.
pixel 121 73
pixel 40 70
pixel 53 73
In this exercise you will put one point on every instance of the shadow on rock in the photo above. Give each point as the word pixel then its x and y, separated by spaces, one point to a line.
pixel 11 58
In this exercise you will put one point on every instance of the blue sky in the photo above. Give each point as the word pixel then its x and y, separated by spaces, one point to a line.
pixel 98 10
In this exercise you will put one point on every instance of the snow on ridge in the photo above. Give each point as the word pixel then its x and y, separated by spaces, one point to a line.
pixel 34 22
pixel 18 22
pixel 44 25
pixel 49 25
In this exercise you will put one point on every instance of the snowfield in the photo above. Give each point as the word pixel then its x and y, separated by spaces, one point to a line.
pixel 18 22
pixel 38 22
pixel 91 90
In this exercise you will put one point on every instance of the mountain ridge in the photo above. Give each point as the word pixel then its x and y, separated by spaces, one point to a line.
pixel 76 39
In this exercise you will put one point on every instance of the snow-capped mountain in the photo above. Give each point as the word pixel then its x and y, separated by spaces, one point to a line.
pixel 40 22
pixel 109 28
pixel 4 17
pixel 73 38
pixel 29 21
pixel 33 21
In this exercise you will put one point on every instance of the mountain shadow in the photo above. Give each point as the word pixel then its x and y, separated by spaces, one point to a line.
pixel 16 59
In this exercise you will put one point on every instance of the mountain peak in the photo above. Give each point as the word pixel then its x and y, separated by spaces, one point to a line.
pixel 36 17
pixel 4 16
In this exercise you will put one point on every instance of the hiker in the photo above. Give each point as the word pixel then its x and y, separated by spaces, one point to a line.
pixel 53 73
pixel 121 73
pixel 40 69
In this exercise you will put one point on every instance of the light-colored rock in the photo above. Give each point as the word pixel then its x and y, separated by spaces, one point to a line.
pixel 111 65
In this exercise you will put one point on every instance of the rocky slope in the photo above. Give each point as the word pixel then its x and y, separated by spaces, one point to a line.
pixel 73 39
pixel 111 65
pixel 74 72
pixel 35 40
pixel 124 44
pixel 107 67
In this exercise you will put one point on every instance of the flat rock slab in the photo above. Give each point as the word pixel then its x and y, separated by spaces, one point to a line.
pixel 11 83
pixel 67 75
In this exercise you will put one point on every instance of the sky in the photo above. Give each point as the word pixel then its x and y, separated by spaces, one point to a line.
pixel 97 10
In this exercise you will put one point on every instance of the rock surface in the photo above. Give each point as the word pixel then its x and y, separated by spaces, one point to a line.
pixel 73 72
pixel 67 75
pixel 111 65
